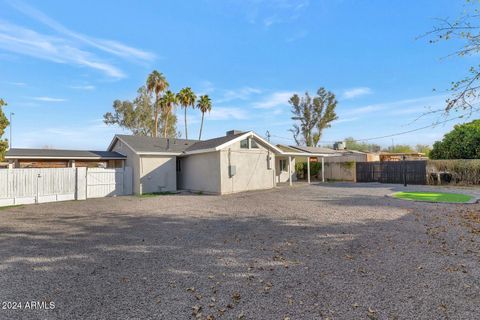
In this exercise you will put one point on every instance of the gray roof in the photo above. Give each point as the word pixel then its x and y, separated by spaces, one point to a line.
pixel 213 143
pixel 58 153
pixel 315 149
pixel 173 145
pixel 150 144
pixel 325 150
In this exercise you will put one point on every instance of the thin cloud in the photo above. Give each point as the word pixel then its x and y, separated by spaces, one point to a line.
pixel 232 113
pixel 110 46
pixel 274 100
pixel 397 107
pixel 31 43
pixel 67 46
pixel 239 94
pixel 17 84
pixel 356 92
pixel 88 87
pixel 49 99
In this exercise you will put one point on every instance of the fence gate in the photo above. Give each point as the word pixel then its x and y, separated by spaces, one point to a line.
pixel 392 171
pixel 108 182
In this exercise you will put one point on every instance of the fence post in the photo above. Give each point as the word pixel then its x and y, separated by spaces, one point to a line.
pixel 80 183
pixel 404 171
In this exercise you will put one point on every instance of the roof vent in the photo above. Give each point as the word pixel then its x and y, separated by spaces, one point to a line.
pixel 233 132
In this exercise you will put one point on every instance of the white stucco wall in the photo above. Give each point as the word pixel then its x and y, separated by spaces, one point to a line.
pixel 252 171
pixel 283 176
pixel 200 172
pixel 157 173
pixel 133 161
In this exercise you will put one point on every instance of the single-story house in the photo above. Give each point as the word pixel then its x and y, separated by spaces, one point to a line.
pixel 54 158
pixel 397 156
pixel 238 161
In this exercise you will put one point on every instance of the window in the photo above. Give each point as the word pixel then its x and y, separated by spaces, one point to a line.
pixel 253 144
pixel 283 165
pixel 244 144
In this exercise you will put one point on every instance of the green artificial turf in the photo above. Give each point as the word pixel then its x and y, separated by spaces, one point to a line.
pixel 433 196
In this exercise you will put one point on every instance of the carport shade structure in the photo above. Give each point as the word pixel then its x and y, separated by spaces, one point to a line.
pixel 49 157
pixel 302 155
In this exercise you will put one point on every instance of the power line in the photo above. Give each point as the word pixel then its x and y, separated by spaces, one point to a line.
pixel 385 136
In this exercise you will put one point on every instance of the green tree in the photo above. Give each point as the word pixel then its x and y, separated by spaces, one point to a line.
pixel 157 83
pixel 186 98
pixel 168 103
pixel 423 148
pixel 400 148
pixel 312 113
pixel 205 105
pixel 4 123
pixel 352 144
pixel 135 116
pixel 463 142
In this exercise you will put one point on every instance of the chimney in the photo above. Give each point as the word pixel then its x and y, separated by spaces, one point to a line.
pixel 339 145
pixel 233 132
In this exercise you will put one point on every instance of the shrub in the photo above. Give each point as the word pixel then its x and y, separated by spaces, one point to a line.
pixel 454 171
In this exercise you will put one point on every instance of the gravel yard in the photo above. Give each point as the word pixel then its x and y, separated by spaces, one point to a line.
pixel 336 251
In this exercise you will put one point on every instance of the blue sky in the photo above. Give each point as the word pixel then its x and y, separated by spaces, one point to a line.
pixel 62 63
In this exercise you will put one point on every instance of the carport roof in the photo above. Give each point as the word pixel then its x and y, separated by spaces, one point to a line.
pixel 18 153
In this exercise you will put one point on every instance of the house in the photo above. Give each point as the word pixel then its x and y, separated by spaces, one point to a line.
pixel 51 158
pixel 391 156
pixel 238 161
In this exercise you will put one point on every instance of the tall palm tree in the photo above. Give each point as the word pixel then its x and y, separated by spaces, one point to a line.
pixel 157 83
pixel 186 98
pixel 168 102
pixel 204 104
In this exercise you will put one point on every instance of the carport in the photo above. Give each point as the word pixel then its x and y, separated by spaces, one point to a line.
pixel 291 158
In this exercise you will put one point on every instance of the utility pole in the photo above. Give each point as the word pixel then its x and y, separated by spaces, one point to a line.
pixel 268 135
pixel 10 141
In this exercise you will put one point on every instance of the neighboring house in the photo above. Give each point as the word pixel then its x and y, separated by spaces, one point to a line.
pixel 390 156
pixel 238 161
pixel 50 158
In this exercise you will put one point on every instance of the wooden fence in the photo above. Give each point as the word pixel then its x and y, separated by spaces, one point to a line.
pixel 23 186
pixel 392 172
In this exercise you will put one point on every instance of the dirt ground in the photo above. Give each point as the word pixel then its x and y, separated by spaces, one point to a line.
pixel 325 251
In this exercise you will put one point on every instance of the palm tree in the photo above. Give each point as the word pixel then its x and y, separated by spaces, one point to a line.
pixel 168 102
pixel 204 104
pixel 156 82
pixel 186 98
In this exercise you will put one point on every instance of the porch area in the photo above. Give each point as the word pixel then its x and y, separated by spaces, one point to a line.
pixel 285 167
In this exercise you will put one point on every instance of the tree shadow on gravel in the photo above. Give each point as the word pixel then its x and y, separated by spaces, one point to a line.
pixel 126 265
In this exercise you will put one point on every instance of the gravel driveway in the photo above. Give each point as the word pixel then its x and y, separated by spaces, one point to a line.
pixel 336 251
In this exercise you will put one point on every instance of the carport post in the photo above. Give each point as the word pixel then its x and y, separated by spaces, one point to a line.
pixel 290 170
pixel 323 169
pixel 308 169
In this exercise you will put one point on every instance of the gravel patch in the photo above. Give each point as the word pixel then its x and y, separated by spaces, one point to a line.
pixel 326 251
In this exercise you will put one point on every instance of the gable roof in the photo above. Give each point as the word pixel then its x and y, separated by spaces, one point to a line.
pixel 214 143
pixel 145 145
pixel 17 153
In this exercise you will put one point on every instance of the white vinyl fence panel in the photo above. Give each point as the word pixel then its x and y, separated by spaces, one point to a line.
pixel 20 186
pixel 23 186
pixel 104 182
